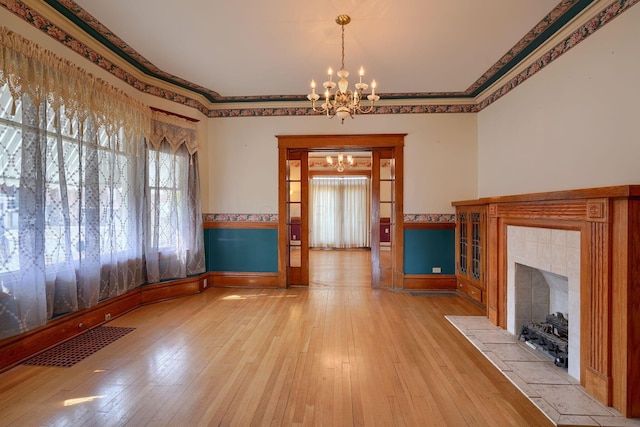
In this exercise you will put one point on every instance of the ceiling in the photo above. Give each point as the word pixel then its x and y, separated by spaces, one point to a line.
pixel 237 50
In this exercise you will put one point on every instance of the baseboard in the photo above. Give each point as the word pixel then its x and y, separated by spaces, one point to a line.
pixel 173 289
pixel 429 282
pixel 14 350
pixel 243 279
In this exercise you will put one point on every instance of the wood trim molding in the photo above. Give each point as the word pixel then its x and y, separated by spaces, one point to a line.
pixel 430 225
pixel 340 142
pixel 239 224
pixel 620 191
pixel 348 172
pixel 429 282
pixel 244 280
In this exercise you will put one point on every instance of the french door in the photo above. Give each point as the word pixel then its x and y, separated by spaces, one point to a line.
pixel 386 205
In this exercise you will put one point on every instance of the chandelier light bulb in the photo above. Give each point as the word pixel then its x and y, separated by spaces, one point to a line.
pixel 343 102
pixel 340 165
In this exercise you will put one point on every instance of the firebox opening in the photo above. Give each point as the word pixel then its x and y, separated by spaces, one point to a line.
pixel 542 312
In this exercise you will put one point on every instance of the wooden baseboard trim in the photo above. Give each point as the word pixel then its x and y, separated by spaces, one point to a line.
pixel 598 385
pixel 14 350
pixel 429 282
pixel 173 289
pixel 243 280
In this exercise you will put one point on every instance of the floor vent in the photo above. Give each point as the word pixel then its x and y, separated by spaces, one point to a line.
pixel 76 349
pixel 433 294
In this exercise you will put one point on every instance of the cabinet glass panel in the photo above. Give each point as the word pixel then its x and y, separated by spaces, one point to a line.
pixel 476 246
pixel 463 243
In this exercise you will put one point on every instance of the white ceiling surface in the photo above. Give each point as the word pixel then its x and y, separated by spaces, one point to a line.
pixel 258 48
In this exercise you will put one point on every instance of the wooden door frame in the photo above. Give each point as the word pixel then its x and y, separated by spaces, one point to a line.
pixel 361 142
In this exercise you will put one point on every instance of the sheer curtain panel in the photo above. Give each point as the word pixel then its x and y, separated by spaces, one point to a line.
pixel 340 212
pixel 89 180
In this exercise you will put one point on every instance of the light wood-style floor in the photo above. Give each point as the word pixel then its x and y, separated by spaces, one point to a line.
pixel 336 354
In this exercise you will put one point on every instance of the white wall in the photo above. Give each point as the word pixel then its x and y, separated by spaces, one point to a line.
pixel 575 124
pixel 240 162
pixel 239 157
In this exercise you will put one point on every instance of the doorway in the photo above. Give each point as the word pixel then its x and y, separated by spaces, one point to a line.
pixel 385 171
pixel 339 219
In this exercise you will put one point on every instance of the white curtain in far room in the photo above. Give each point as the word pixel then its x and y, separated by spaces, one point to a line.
pixel 339 212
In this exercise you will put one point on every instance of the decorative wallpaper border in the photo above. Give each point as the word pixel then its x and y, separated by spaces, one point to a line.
pixel 235 217
pixel 579 35
pixel 430 218
pixel 562 13
pixel 304 111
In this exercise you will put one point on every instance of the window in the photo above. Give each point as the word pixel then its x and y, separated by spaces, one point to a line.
pixel 340 212
pixel 87 212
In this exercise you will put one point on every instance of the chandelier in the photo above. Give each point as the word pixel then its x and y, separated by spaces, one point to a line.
pixel 343 102
pixel 340 165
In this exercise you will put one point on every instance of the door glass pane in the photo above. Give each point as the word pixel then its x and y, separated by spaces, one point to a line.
pixel 294 211
pixel 294 170
pixel 294 192
pixel 386 191
pixel 294 206
pixel 386 219
pixel 386 168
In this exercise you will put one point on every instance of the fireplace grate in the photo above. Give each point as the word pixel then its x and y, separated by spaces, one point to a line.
pixel 551 337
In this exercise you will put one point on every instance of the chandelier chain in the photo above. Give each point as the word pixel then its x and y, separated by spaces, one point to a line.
pixel 342 47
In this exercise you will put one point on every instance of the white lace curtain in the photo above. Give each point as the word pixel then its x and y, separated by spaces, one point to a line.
pixel 97 195
pixel 340 212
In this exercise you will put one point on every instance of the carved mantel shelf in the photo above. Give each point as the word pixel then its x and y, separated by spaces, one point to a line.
pixel 608 219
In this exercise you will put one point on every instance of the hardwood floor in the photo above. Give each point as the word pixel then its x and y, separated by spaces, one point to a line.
pixel 336 354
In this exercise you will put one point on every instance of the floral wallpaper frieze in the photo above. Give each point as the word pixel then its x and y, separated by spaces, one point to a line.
pixel 233 217
pixel 236 217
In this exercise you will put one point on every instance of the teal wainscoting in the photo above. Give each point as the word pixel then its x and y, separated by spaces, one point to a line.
pixel 425 248
pixel 241 249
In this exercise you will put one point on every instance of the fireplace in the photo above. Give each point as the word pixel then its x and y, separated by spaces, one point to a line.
pixel 543 277
pixel 600 228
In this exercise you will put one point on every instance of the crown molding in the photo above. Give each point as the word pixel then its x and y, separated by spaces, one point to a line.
pixel 586 17
pixel 520 71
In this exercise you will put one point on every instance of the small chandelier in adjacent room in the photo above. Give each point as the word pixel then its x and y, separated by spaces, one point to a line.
pixel 343 102
pixel 340 165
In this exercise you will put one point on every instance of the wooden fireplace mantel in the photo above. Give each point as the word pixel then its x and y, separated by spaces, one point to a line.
pixel 608 219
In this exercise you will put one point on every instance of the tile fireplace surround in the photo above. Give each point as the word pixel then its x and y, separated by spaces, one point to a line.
pixel 608 222
pixel 554 252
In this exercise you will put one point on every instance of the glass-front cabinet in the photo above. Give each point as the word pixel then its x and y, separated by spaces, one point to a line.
pixel 471 226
